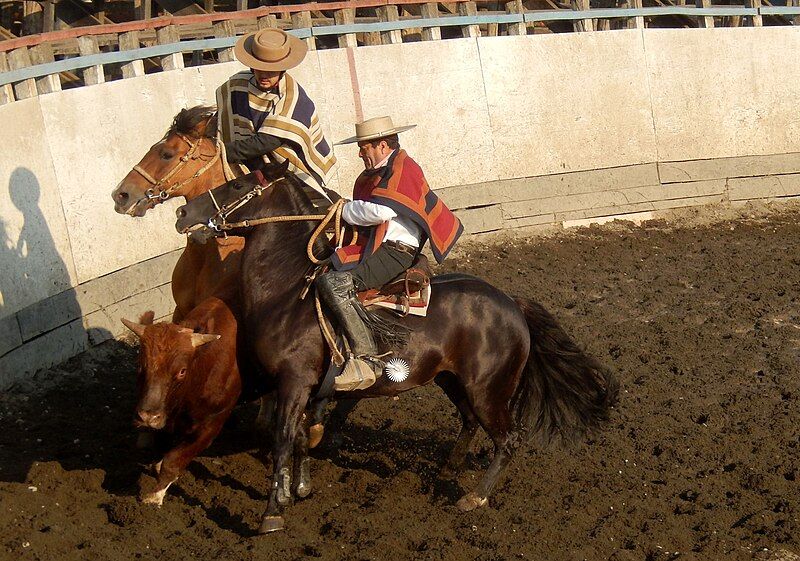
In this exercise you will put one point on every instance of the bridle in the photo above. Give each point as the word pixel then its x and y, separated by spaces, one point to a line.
pixel 158 192
pixel 219 220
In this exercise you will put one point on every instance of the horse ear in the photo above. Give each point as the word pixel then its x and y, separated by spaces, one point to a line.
pixel 147 318
pixel 283 168
pixel 137 328
pixel 203 338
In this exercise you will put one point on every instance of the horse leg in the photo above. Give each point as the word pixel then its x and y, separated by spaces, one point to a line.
pixel 302 464
pixel 266 413
pixel 469 423
pixel 291 403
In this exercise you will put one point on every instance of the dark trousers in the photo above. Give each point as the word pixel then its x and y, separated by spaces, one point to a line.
pixel 381 267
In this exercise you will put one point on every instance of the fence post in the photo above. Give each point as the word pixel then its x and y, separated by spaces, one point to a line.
pixel 31 18
pixel 386 14
pixel 302 20
pixel 165 36
pixel 267 21
pixel 515 7
pixel 636 22
pixel 87 45
pixel 129 41
pixel 705 21
pixel 469 9
pixel 346 16
pixel 17 59
pixel 430 10
pixel 581 24
pixel 6 91
pixel 241 5
pixel 756 20
pixel 42 54
pixel 49 16
pixel 224 29
pixel 143 9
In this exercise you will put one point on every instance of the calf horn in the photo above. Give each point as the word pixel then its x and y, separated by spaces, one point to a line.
pixel 137 328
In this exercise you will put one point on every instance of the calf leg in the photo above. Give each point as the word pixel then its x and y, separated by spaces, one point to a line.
pixel 176 460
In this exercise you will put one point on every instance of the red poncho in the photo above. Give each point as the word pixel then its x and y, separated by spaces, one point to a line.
pixel 401 186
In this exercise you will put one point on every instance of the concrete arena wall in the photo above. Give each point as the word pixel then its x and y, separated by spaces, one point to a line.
pixel 513 131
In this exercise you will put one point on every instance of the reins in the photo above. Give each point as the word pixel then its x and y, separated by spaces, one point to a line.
pixel 160 194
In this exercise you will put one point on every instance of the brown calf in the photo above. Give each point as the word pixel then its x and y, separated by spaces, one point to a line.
pixel 188 383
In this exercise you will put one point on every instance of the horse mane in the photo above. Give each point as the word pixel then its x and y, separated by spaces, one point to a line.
pixel 187 121
pixel 295 191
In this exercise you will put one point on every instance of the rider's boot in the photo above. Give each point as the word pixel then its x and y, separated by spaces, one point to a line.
pixel 337 290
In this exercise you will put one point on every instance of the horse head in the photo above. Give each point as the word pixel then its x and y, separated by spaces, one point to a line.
pixel 204 218
pixel 185 162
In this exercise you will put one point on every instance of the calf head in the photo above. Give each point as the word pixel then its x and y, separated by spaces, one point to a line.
pixel 165 358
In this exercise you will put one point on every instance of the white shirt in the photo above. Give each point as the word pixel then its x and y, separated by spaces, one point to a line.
pixel 365 213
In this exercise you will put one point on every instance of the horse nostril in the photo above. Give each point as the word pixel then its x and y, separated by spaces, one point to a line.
pixel 180 213
pixel 122 196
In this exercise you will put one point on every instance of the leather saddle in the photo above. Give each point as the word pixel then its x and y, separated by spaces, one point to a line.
pixel 405 290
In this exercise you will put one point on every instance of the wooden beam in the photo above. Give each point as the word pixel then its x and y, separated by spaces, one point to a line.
pixel 17 59
pixel 7 90
pixel 755 21
pixel 143 9
pixel 165 36
pixel 87 45
pixel 31 18
pixel 386 14
pixel 515 7
pixel 225 28
pixel 42 54
pixel 346 16
pixel 431 10
pixel 302 20
pixel 129 41
pixel 705 21
pixel 49 16
pixel 636 22
pixel 581 24
pixel 469 9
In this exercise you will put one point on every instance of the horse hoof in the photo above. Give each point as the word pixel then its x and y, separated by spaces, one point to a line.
pixel 471 501
pixel 303 490
pixel 271 524
pixel 315 433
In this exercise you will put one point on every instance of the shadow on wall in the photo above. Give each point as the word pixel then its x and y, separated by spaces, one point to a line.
pixel 51 330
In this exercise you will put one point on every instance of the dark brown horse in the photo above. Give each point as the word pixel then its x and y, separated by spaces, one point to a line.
pixel 506 364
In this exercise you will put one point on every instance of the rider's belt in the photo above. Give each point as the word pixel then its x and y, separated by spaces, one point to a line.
pixel 400 246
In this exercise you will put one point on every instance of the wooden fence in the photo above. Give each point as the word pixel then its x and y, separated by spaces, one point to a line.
pixel 45 63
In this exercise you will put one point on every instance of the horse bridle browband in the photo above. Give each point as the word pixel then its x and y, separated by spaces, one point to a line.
pixel 157 192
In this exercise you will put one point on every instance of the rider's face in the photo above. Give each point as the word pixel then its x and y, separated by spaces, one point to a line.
pixel 266 79
pixel 373 154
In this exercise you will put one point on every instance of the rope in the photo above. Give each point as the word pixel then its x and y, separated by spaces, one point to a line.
pixel 336 356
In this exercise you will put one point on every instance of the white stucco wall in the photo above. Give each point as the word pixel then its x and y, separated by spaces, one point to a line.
pixel 495 108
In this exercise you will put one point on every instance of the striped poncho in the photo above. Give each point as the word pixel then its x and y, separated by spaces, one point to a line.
pixel 289 114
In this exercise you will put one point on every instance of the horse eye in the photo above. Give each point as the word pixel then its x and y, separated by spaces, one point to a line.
pixel 237 186
pixel 167 156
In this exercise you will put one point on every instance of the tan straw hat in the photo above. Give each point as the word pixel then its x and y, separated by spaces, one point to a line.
pixel 270 49
pixel 372 129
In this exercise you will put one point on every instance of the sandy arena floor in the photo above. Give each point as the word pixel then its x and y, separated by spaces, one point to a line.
pixel 700 460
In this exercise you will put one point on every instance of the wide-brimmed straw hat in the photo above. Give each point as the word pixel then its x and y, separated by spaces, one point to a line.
pixel 270 49
pixel 372 129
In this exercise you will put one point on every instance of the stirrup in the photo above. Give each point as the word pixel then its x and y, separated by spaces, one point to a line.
pixel 358 374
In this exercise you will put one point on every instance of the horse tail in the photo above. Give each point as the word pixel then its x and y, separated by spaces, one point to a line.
pixel 564 394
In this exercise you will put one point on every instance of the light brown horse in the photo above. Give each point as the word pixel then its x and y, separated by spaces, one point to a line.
pixel 185 163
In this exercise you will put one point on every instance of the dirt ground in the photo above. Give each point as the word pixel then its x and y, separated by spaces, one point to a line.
pixel 700 459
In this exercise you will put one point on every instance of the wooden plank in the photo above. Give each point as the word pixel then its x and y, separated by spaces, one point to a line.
pixel 6 90
pixel 302 20
pixel 143 9
pixel 241 5
pixel 583 24
pixel 755 21
pixel 515 7
pixel 705 21
pixel 181 7
pixel 49 16
pixel 31 18
pixel 346 16
pixel 130 41
pixel 42 54
pixel 267 21
pixel 166 36
pixel 430 10
pixel 469 9
pixel 636 22
pixel 17 59
pixel 225 29
pixel 389 14
pixel 93 74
